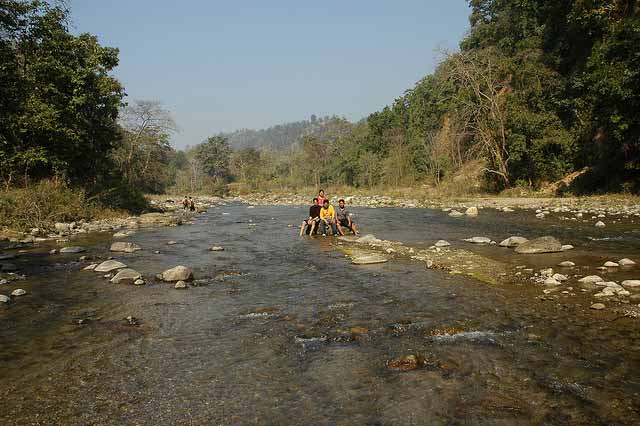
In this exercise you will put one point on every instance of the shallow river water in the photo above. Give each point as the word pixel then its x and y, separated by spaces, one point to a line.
pixel 285 331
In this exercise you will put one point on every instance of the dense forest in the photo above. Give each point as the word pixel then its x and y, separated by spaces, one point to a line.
pixel 537 90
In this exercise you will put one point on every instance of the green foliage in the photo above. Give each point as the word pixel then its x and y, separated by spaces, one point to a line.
pixel 58 102
pixel 214 156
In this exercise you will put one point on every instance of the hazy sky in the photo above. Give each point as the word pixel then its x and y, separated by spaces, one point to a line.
pixel 226 65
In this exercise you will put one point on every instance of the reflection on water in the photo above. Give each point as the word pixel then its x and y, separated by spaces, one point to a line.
pixel 284 330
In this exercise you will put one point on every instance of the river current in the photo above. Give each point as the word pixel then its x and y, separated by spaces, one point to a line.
pixel 282 330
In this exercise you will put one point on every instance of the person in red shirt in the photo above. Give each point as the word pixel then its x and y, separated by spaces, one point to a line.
pixel 321 197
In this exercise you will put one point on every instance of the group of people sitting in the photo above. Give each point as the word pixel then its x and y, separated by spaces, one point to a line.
pixel 323 216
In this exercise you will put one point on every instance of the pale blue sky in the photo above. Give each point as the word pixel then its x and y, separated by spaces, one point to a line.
pixel 226 65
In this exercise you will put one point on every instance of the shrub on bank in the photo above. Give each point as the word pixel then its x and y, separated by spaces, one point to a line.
pixel 42 204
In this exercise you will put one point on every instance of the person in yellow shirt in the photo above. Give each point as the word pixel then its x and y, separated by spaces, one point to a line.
pixel 328 218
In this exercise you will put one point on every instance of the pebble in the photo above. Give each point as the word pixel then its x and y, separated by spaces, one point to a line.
pixel 139 282
pixel 567 264
pixel 180 285
pixel 170 243
pixel 610 264
pixel 18 292
pixel 72 250
pixel 600 224
pixel 598 306
pixel 442 243
pixel 626 262
pixel 216 248
pixel 4 299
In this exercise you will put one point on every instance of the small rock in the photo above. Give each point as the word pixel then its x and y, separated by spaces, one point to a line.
pixel 72 250
pixel 4 299
pixel 170 243
pixel 600 224
pixel 591 279
pixel 125 247
pixel 472 211
pixel 567 264
pixel 18 292
pixel 598 306
pixel 139 282
pixel 109 265
pixel 442 243
pixel 126 275
pixel 178 273
pixel 566 247
pixel 551 281
pixel 631 283
pixel 216 248
pixel 610 264
pixel 180 285
pixel 456 213
pixel 479 240
pixel 513 241
pixel 560 277
pixel 626 262
pixel 54 251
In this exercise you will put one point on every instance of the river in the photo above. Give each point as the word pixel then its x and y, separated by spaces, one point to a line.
pixel 284 330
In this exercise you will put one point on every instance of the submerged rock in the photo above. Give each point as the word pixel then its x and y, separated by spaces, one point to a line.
pixel 540 245
pixel 178 273
pixel 109 265
pixel 18 292
pixel 598 306
pixel 406 363
pixel 126 275
pixel 125 247
pixel 368 239
pixel 456 213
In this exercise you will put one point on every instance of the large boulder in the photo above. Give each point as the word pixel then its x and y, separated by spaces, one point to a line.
pixel 540 245
pixel 513 242
pixel 179 273
pixel 109 265
pixel 125 247
pixel 126 275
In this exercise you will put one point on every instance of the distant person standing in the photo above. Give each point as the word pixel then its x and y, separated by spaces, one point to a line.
pixel 192 205
pixel 185 203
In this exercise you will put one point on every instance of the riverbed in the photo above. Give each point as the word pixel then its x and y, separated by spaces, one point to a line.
pixel 282 330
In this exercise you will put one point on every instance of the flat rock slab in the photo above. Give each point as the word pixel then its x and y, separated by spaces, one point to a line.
pixel 368 259
pixel 479 240
pixel 72 250
pixel 540 245
pixel 109 265
pixel 124 247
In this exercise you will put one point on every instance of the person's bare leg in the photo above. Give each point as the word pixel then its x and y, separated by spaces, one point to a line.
pixel 304 224
pixel 313 228
pixel 340 231
pixel 354 228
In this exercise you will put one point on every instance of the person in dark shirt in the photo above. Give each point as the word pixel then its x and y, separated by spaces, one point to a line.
pixel 311 223
pixel 344 219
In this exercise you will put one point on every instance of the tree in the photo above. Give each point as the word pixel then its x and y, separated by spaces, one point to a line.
pixel 145 151
pixel 58 101
pixel 214 157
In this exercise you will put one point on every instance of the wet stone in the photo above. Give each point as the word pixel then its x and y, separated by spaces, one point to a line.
pixel 598 306
pixel 5 299
pixel 18 292
pixel 72 250
pixel 124 247
pixel 406 363
pixel 180 285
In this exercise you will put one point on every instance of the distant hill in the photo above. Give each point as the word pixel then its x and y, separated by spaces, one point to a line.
pixel 281 136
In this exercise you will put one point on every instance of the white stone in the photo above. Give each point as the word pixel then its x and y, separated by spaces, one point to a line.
pixel 560 277
pixel 442 243
pixel 4 298
pixel 631 283
pixel 180 285
pixel 178 273
pixel 626 262
pixel 18 292
pixel 600 224
pixel 472 211
pixel 126 275
pixel 109 265
pixel 567 264
pixel 566 247
pixel 610 264
pixel 591 279
pixel 216 248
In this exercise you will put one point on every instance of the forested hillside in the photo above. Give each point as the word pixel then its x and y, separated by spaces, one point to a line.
pixel 279 137
pixel 538 90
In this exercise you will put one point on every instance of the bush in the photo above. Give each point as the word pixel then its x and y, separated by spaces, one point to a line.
pixel 42 205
